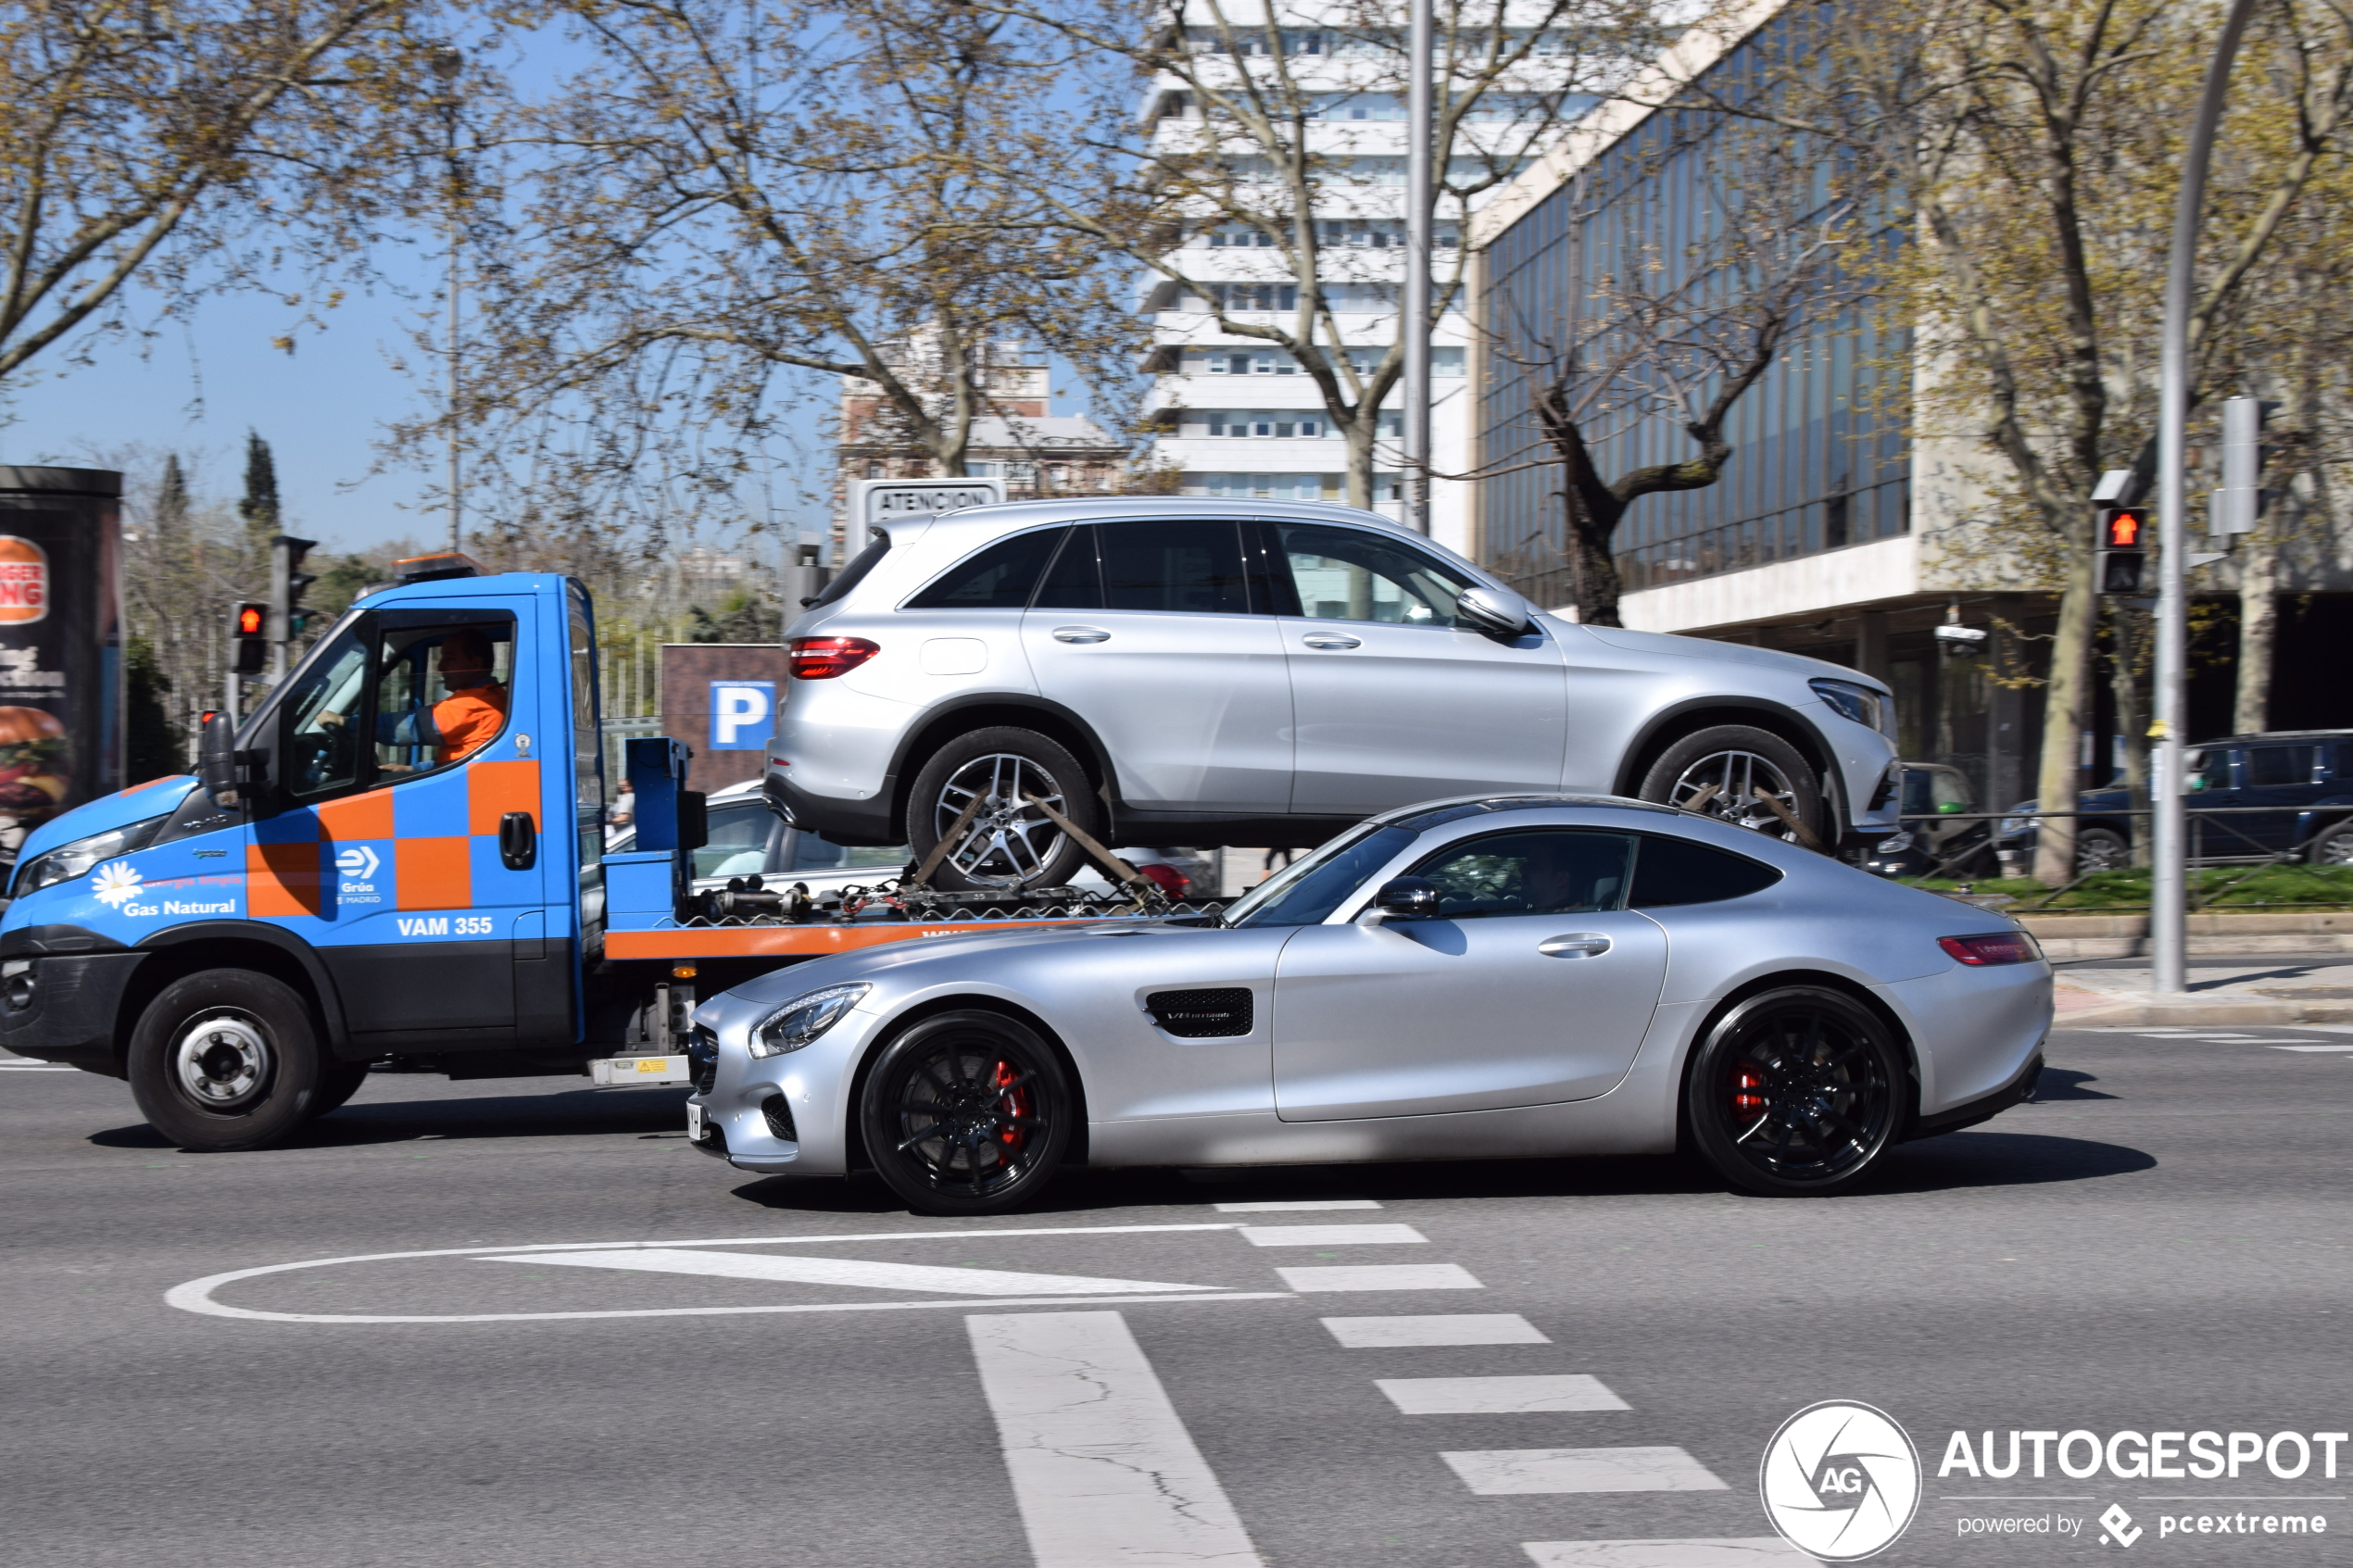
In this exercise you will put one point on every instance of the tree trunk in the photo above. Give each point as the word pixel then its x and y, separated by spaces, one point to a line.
pixel 2125 682
pixel 1592 568
pixel 2058 782
pixel 1360 434
pixel 2259 629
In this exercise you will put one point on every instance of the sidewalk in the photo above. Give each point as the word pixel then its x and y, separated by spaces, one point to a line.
pixel 2318 989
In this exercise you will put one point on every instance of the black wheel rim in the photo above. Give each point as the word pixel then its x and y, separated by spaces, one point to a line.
pixel 970 1114
pixel 1805 1094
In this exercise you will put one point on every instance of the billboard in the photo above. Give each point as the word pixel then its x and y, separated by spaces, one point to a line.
pixel 61 735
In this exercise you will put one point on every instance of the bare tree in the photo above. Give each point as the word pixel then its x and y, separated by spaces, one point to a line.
pixel 187 144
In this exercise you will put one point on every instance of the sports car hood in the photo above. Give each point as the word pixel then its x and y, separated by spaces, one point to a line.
pixel 1737 653
pixel 108 812
pixel 906 963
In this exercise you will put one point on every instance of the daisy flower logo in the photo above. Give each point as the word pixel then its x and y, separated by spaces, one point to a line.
pixel 116 884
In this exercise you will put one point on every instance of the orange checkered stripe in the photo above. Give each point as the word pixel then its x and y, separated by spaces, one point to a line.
pixel 428 873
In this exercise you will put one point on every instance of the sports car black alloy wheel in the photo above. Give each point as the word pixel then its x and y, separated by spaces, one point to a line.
pixel 1796 1092
pixel 966 1113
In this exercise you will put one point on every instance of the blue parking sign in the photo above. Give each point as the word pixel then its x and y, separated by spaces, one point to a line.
pixel 743 714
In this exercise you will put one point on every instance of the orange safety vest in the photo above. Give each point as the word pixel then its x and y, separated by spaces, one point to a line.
pixel 468 720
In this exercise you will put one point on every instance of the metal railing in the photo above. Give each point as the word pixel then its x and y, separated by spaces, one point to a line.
pixel 2215 843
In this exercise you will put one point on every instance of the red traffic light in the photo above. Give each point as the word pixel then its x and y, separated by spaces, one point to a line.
pixel 2121 528
pixel 250 619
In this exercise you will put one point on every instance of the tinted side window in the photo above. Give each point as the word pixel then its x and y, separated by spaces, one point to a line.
pixel 1183 567
pixel 999 577
pixel 1354 574
pixel 855 572
pixel 1676 871
pixel 1073 582
pixel 1536 872
pixel 2279 765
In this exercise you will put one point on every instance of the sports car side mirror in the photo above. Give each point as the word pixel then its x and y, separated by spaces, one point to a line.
pixel 1498 612
pixel 1409 898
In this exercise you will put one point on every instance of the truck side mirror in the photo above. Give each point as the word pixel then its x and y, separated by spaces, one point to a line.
pixel 217 760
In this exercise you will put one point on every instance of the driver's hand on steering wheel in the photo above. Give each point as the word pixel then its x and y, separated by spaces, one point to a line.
pixel 330 720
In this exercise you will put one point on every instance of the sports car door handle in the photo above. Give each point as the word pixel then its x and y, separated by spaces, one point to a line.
pixel 1331 640
pixel 1579 944
pixel 1081 635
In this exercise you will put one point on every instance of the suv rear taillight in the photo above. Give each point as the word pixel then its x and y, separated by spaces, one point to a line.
pixel 2007 947
pixel 822 659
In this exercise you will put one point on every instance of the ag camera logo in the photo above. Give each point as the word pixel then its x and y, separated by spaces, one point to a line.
pixel 1841 1481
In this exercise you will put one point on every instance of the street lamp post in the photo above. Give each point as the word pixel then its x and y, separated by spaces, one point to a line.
pixel 448 61
pixel 2169 900
pixel 1420 203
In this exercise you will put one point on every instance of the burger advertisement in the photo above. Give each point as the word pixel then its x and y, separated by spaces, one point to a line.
pixel 60 655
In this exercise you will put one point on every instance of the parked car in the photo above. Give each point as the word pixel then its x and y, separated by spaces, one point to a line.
pixel 1521 976
pixel 2305 775
pixel 1926 843
pixel 1222 672
pixel 746 837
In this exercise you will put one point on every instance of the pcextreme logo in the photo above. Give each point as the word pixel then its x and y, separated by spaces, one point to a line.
pixel 1840 1480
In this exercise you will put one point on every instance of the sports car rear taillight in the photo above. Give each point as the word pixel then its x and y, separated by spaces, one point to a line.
pixel 2005 946
pixel 822 659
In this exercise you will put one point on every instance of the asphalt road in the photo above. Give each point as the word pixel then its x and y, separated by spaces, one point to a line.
pixel 2158 1243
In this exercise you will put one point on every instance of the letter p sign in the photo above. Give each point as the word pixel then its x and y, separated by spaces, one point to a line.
pixel 742 714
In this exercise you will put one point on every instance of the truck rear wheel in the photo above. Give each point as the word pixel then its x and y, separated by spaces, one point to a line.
pixel 226 1059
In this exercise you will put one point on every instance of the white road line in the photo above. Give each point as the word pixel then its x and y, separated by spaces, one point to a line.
pixel 1493 1473
pixel 859 1271
pixel 35 1067
pixel 1449 1328
pixel 1298 1206
pixel 1398 1276
pixel 1105 1474
pixel 1750 1551
pixel 1498 1395
pixel 2330 1050
pixel 1333 1235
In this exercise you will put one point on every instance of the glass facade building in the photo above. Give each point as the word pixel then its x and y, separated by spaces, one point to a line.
pixel 1819 460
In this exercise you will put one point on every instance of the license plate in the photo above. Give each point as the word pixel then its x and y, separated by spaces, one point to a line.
pixel 694 1121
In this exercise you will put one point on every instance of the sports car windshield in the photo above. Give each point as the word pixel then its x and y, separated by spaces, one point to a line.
pixel 1307 891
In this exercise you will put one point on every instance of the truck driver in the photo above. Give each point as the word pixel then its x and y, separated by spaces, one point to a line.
pixel 460 725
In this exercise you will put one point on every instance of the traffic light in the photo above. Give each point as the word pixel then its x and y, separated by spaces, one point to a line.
pixel 2239 503
pixel 249 639
pixel 2121 550
pixel 287 582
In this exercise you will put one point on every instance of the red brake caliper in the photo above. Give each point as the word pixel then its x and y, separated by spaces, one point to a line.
pixel 1748 1098
pixel 1016 1102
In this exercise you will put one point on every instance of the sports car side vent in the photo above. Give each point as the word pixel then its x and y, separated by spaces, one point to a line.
pixel 1200 1015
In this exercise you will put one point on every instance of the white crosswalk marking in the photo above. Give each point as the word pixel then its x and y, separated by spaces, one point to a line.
pixel 1448 1328
pixel 1105 1474
pixel 2330 1050
pixel 1498 1395
pixel 1503 1472
pixel 35 1067
pixel 1395 1276
pixel 841 1271
pixel 1751 1551
pixel 1294 1206
pixel 1333 1235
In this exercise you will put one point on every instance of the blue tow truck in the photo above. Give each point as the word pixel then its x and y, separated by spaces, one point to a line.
pixel 355 876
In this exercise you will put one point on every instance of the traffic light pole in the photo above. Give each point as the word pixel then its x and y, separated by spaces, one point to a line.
pixel 1413 320
pixel 2168 901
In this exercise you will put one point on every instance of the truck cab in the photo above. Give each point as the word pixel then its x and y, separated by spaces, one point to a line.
pixel 406 863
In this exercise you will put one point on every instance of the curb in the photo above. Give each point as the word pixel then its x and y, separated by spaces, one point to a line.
pixel 2203 1009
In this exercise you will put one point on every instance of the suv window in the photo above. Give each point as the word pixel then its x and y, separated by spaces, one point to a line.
pixel 1000 577
pixel 1074 581
pixel 1533 872
pixel 1194 567
pixel 1676 871
pixel 1350 574
pixel 2279 765
pixel 737 841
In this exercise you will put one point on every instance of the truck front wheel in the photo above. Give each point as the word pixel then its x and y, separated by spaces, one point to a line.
pixel 226 1059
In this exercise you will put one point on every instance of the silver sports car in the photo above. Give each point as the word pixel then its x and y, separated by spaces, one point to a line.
pixel 1506 976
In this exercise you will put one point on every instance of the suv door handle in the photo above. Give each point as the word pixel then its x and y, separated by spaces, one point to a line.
pixel 1331 640
pixel 1576 944
pixel 1081 635
pixel 518 841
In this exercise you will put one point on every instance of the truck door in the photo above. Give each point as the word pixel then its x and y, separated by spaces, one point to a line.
pixel 404 756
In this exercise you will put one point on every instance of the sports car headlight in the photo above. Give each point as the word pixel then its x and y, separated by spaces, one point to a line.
pixel 804 1018
pixel 69 860
pixel 1861 704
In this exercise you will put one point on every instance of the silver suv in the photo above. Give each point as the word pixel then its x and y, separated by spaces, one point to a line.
pixel 1193 671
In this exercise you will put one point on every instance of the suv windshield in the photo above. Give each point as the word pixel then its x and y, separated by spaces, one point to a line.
pixel 1308 890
